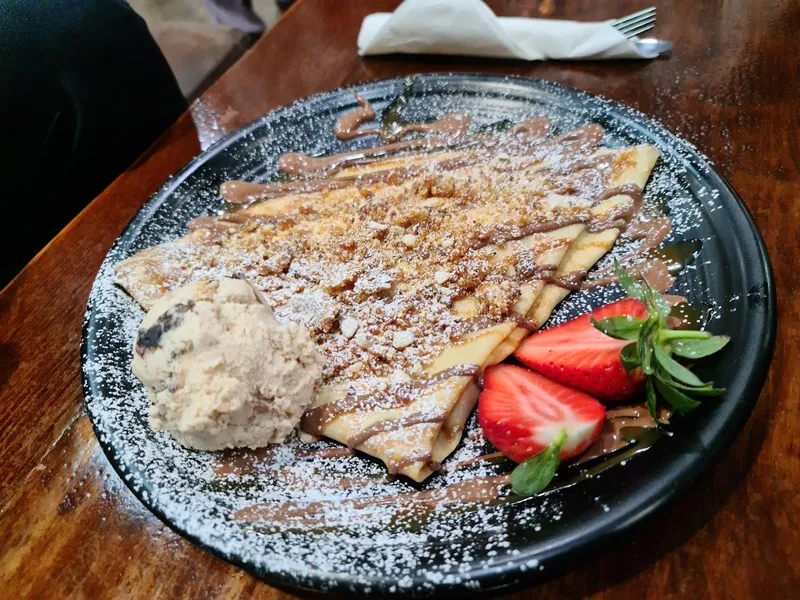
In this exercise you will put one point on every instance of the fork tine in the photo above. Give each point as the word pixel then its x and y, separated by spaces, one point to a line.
pixel 637 19
pixel 633 17
pixel 635 22
pixel 635 26
pixel 641 29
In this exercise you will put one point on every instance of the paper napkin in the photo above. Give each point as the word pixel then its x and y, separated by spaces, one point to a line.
pixel 469 27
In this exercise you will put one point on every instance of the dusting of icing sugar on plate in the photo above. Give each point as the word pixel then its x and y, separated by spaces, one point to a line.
pixel 418 547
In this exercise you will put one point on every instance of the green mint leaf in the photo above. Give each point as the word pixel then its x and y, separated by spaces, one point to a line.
pixel 706 390
pixel 629 356
pixel 621 328
pixel 675 398
pixel 688 348
pixel 675 369
pixel 535 473
pixel 651 400
pixel 644 346
pixel 628 283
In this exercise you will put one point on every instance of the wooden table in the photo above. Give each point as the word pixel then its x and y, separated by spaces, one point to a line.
pixel 69 527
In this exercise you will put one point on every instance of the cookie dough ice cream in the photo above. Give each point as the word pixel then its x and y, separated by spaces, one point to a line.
pixel 220 371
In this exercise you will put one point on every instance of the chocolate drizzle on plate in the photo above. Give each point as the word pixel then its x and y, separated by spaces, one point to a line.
pixel 618 420
pixel 628 431
pixel 481 490
pixel 452 125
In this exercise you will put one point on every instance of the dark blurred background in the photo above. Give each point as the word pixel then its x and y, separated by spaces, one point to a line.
pixel 198 38
pixel 86 86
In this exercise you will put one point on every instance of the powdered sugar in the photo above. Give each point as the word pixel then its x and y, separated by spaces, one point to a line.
pixel 391 547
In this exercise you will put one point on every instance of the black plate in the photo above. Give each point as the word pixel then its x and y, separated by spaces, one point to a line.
pixel 518 542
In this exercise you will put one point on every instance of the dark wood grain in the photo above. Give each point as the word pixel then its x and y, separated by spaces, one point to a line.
pixel 68 525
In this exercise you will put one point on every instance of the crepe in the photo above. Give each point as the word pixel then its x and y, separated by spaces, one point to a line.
pixel 586 250
pixel 414 273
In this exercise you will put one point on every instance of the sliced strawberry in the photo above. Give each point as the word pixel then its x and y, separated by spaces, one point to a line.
pixel 578 355
pixel 522 413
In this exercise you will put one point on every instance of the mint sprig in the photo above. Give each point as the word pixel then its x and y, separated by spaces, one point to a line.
pixel 656 347
pixel 534 474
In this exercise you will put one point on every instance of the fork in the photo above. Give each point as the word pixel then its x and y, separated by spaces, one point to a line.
pixel 637 23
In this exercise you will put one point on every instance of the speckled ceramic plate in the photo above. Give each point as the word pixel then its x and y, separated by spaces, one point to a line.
pixel 445 549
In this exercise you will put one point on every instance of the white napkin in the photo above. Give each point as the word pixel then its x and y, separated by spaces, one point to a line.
pixel 469 27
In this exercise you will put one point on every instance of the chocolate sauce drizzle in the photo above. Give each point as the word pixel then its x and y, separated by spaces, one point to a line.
pixel 387 425
pixel 481 490
pixel 527 142
pixel 316 419
pixel 316 172
pixel 452 125
pixel 527 137
pixel 628 431
pixel 503 234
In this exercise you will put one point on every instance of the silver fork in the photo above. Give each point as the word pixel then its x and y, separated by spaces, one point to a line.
pixel 637 23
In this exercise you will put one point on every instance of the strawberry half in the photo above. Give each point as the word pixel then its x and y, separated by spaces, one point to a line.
pixel 578 355
pixel 522 413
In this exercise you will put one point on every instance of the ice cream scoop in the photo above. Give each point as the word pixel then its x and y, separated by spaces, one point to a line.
pixel 220 370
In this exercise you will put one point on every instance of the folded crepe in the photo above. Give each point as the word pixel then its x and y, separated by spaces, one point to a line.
pixel 415 272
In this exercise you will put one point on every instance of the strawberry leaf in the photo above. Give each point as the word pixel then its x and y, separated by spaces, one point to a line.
pixel 628 283
pixel 654 346
pixel 629 357
pixel 651 400
pixel 621 327
pixel 699 348
pixel 535 473
pixel 655 301
pixel 644 346
pixel 706 390
pixel 675 398
pixel 675 369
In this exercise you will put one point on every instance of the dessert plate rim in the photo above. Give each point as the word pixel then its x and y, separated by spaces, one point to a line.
pixel 642 503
